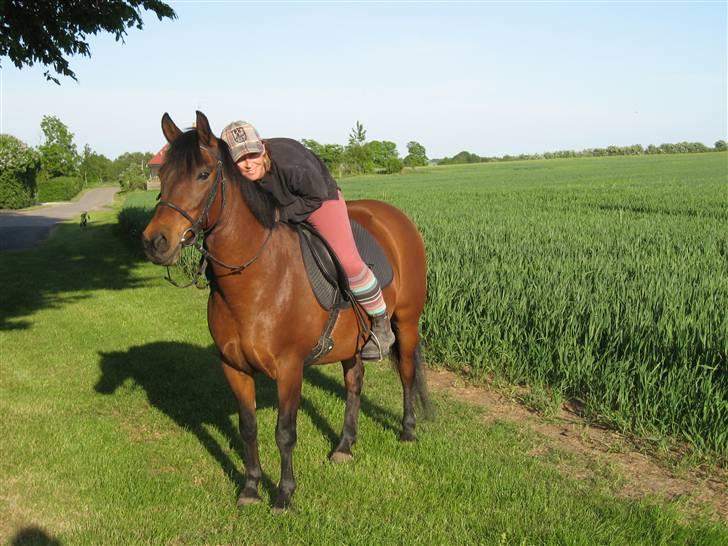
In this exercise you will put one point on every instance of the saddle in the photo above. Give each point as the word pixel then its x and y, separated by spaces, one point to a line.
pixel 329 281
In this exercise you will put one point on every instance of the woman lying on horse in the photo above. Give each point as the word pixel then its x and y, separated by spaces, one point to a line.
pixel 305 191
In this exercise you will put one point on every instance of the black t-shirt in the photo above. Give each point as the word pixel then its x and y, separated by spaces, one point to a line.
pixel 298 179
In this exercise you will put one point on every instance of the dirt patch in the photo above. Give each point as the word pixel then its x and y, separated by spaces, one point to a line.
pixel 597 454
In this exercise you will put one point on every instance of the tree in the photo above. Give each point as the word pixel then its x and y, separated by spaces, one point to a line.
pixel 331 154
pixel 95 168
pixel 721 146
pixel 19 165
pixel 358 157
pixel 358 135
pixel 130 170
pixel 46 32
pixel 58 153
pixel 381 152
pixel 416 155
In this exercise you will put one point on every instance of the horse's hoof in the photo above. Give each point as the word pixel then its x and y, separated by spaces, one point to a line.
pixel 281 506
pixel 339 457
pixel 246 500
pixel 407 437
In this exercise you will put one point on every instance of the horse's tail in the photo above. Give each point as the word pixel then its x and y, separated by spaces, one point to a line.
pixel 422 395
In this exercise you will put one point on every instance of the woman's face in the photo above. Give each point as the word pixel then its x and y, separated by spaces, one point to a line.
pixel 252 166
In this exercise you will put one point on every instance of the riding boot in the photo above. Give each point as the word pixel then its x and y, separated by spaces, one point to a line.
pixel 380 340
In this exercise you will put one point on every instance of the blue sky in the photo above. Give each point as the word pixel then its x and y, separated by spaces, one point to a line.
pixel 492 78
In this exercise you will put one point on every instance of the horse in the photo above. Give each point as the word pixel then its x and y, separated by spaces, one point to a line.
pixel 262 313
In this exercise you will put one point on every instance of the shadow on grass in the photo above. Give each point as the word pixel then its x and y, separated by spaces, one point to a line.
pixel 34 536
pixel 185 382
pixel 62 270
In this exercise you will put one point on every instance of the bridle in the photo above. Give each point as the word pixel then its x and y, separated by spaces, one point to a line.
pixel 197 228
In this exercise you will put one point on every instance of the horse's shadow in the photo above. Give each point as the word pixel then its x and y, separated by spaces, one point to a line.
pixel 186 383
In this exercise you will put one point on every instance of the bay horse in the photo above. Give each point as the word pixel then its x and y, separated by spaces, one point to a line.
pixel 262 312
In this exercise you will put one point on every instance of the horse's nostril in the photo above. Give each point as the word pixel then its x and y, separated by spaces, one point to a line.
pixel 160 243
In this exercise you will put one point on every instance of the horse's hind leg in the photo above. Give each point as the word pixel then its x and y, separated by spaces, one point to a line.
pixel 243 386
pixel 408 356
pixel 353 377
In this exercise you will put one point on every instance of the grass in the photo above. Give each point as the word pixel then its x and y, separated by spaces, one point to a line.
pixel 603 279
pixel 118 428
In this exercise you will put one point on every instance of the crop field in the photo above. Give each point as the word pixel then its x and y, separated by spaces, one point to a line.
pixel 600 280
pixel 604 279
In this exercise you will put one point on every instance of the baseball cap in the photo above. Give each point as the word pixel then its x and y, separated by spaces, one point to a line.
pixel 242 139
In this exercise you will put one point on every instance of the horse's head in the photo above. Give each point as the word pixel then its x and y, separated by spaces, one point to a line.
pixel 191 177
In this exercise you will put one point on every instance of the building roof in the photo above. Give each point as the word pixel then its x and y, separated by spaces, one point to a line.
pixel 158 159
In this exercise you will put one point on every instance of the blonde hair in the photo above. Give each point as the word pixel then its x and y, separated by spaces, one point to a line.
pixel 266 157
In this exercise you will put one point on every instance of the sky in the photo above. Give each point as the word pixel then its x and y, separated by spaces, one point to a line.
pixel 492 78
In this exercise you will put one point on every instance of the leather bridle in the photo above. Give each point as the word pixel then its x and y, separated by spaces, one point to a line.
pixel 197 228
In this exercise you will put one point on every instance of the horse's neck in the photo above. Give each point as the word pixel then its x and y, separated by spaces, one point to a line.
pixel 238 234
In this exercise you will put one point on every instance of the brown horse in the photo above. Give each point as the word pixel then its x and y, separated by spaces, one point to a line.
pixel 262 312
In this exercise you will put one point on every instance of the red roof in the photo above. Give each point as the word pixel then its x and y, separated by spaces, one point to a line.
pixel 159 158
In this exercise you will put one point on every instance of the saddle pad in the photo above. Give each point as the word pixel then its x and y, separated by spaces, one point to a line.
pixel 371 253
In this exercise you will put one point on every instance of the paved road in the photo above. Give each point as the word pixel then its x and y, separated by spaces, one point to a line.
pixel 25 228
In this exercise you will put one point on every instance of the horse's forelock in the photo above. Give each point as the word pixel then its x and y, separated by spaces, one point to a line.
pixel 182 156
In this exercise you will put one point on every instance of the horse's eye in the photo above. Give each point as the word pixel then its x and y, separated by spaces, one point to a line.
pixel 204 175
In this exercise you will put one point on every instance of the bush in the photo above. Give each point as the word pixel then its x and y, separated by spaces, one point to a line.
pixel 19 166
pixel 61 188
pixel 393 166
pixel 132 178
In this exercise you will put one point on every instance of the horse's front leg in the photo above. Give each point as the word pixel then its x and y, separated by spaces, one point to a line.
pixel 289 397
pixel 354 378
pixel 243 386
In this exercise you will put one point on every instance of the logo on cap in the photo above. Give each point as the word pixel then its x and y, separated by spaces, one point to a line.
pixel 239 135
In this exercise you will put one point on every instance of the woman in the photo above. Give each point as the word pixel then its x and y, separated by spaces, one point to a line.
pixel 305 191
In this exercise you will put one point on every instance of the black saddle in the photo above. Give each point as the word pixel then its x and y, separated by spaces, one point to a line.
pixel 325 274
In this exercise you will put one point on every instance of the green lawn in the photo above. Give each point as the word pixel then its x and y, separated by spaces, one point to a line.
pixel 118 428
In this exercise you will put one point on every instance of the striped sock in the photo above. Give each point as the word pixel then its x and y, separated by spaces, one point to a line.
pixel 365 288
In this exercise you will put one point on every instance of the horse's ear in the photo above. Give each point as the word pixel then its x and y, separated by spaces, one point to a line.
pixel 170 130
pixel 204 133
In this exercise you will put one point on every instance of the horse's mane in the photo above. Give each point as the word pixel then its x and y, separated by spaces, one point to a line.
pixel 184 155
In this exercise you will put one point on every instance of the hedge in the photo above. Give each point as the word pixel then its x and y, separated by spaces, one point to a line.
pixel 61 188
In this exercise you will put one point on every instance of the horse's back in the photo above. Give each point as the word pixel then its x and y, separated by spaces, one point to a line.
pixel 403 245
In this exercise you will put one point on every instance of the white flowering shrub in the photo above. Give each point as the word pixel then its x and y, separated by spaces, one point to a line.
pixel 19 165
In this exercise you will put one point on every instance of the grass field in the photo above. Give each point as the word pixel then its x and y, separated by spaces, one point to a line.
pixel 118 427
pixel 601 280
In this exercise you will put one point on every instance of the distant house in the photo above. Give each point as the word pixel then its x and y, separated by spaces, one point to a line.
pixel 154 164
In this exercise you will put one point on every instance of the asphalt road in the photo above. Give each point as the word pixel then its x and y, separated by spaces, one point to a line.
pixel 25 228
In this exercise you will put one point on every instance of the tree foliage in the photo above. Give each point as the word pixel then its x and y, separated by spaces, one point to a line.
pixel 331 154
pixel 59 156
pixel 130 170
pixel 95 168
pixel 359 156
pixel 46 32
pixel 416 155
pixel 634 149
pixel 19 165
pixel 381 151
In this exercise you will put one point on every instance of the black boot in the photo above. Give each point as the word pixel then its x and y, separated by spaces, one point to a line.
pixel 380 340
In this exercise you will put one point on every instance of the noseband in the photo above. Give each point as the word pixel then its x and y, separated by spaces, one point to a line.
pixel 196 227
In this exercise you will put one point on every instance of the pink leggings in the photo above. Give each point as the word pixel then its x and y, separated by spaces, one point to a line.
pixel 332 221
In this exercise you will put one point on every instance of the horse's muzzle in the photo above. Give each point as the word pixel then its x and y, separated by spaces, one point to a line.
pixel 158 249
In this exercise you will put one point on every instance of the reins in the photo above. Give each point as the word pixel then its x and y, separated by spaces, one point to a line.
pixel 196 228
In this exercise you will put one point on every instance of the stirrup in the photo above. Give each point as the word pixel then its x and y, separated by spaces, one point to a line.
pixel 379 356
